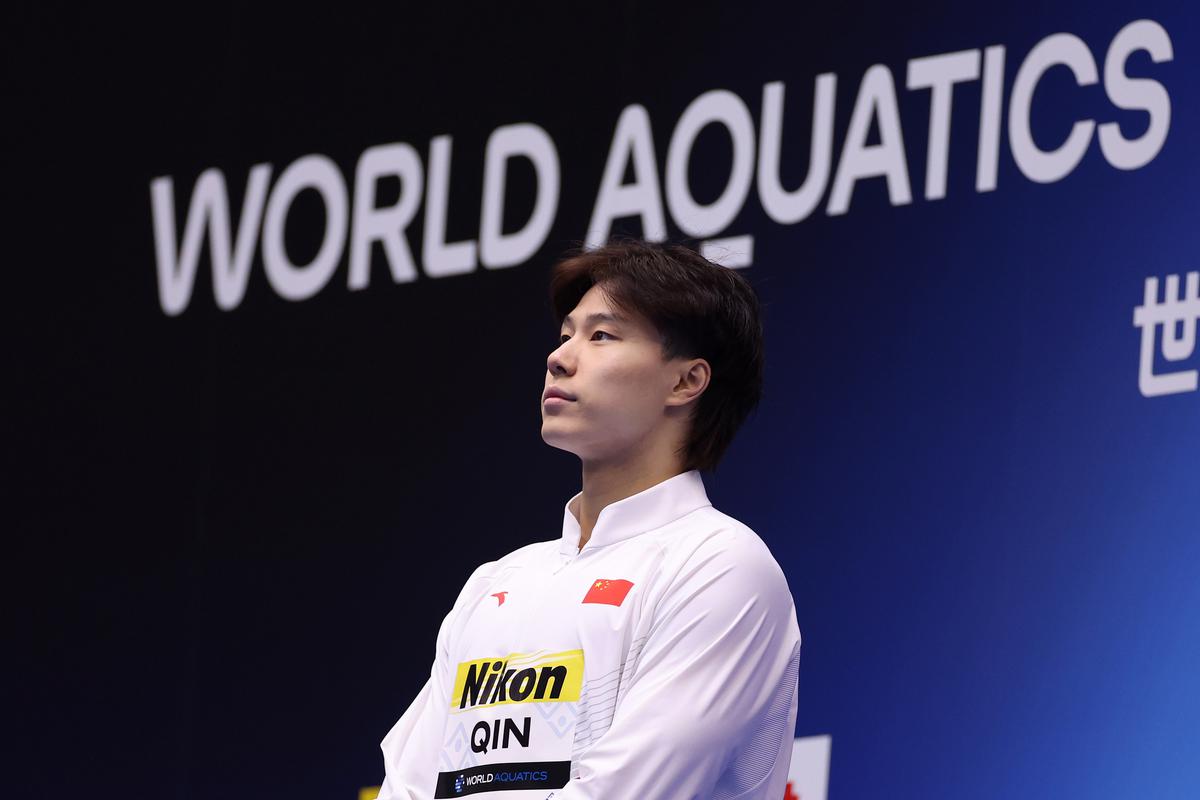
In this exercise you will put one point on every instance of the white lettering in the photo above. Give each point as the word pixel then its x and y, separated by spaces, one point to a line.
pixel 384 225
pixel 209 208
pixel 1176 311
pixel 726 109
pixel 496 248
pixel 939 74
pixel 1140 94
pixel 876 100
pixel 300 282
pixel 641 198
pixel 265 209
pixel 990 108
pixel 439 258
pixel 1048 166
pixel 783 206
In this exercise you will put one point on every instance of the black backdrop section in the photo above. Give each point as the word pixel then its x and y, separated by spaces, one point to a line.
pixel 236 532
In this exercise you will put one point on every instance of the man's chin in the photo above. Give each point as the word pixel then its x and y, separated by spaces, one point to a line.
pixel 555 436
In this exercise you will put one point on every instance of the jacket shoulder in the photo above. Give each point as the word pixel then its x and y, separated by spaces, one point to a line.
pixel 718 541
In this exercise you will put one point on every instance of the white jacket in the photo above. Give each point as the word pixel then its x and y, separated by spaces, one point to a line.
pixel 658 662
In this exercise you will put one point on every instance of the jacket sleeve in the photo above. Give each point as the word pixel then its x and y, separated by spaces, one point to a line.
pixel 412 747
pixel 709 708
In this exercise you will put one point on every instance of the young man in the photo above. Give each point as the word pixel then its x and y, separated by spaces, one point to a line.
pixel 651 652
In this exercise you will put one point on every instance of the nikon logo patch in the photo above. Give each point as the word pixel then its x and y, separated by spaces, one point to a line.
pixel 518 678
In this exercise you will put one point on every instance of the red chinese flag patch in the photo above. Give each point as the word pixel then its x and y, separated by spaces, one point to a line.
pixel 609 592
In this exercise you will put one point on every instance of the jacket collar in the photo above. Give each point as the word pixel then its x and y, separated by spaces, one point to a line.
pixel 645 511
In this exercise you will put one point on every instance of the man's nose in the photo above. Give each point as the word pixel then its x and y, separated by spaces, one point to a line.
pixel 560 360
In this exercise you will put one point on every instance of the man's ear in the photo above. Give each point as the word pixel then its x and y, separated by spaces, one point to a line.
pixel 692 379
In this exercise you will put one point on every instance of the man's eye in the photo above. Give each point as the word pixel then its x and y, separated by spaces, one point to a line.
pixel 562 337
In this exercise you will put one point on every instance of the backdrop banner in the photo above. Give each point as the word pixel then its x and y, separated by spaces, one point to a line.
pixel 281 322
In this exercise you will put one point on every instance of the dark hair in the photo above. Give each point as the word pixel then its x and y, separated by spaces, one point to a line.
pixel 701 309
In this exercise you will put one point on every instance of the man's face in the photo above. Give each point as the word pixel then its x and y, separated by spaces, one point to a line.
pixel 611 365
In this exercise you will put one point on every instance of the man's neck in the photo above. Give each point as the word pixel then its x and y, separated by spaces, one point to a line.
pixel 610 481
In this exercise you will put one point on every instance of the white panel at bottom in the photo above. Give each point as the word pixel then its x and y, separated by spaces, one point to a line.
pixel 808 776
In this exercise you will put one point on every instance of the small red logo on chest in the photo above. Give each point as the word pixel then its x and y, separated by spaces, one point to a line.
pixel 499 597
pixel 608 591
